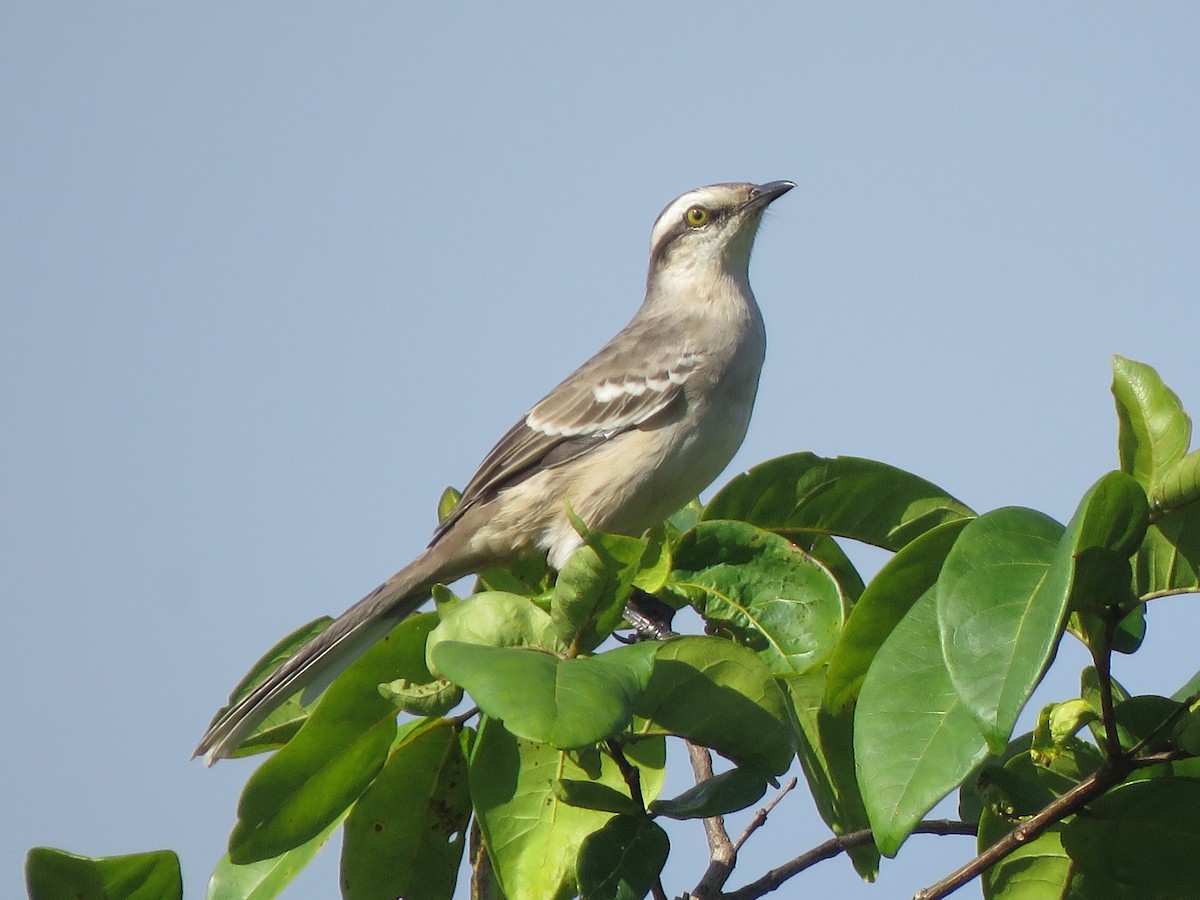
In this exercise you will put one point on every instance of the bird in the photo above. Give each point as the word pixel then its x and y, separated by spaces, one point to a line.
pixel 627 439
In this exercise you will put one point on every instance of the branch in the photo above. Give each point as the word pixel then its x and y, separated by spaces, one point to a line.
pixel 632 779
pixel 1113 772
pixel 831 848
pixel 721 851
pixel 1102 659
pixel 760 817
pixel 457 722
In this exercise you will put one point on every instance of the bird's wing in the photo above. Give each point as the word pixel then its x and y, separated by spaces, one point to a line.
pixel 633 378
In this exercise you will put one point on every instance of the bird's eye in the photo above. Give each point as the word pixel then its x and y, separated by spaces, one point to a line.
pixel 696 216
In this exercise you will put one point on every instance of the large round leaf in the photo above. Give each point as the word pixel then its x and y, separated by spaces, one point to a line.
pixel 762 590
pixel 566 703
pixel 1001 605
pixel 856 498
pixel 532 834
pixel 718 694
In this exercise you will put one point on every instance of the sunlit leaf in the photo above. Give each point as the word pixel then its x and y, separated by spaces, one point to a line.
pixel 534 836
pixel 496 619
pixel 826 752
pixel 296 793
pixel 265 878
pixel 1179 486
pixel 1154 429
pixel 434 698
pixel 57 875
pixel 762 591
pixel 855 498
pixel 914 739
pixel 889 596
pixel 720 695
pixel 592 589
pixel 1169 561
pixel 567 703
pixel 406 834
pixel 285 720
pixel 1002 602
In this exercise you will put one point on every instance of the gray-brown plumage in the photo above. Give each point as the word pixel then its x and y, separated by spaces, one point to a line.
pixel 628 438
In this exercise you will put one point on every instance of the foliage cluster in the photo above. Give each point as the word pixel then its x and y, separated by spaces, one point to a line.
pixel 892 694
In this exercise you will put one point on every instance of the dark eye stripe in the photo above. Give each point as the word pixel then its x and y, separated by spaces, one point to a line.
pixel 681 227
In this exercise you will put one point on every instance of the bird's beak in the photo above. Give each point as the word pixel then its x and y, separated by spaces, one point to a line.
pixel 765 193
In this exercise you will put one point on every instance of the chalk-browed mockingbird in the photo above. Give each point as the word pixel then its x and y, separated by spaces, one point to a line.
pixel 628 438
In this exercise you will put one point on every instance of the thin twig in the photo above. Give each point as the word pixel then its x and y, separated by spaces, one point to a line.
pixel 831 848
pixel 1111 773
pixel 632 779
pixel 760 817
pixel 721 852
pixel 457 722
pixel 1157 759
pixel 1102 659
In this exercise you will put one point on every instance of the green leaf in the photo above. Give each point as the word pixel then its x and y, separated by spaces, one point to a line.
pixel 761 590
pixel 529 576
pixel 1188 690
pixel 1058 724
pixel 1108 527
pixel 1154 430
pixel 720 695
pixel 830 554
pixel 296 793
pixel 1139 717
pixel 978 789
pixel 1169 561
pixel 855 498
pixel 57 875
pixel 914 739
pixel 589 596
pixel 1002 602
pixel 567 703
pixel 265 878
pixel 532 835
pixel 1186 733
pixel 447 502
pixel 717 796
pixel 594 795
pixel 1113 514
pixel 891 594
pixel 1179 486
pixel 283 722
pixel 434 698
pixel 406 834
pixel 1036 869
pixel 656 561
pixel 622 860
pixel 826 752
pixel 1142 837
pixel 495 619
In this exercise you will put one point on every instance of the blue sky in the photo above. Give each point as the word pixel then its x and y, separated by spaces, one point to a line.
pixel 274 275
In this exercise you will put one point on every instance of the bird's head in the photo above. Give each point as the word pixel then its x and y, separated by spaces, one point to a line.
pixel 710 231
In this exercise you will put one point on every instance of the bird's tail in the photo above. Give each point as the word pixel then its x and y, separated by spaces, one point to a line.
pixel 317 663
